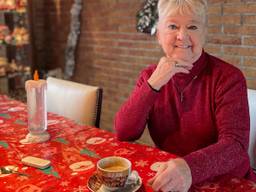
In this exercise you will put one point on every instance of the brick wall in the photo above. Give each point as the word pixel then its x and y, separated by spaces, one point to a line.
pixel 111 53
pixel 37 22
pixel 232 34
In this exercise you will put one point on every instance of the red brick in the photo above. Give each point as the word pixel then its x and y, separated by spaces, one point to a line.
pixel 251 83
pixel 244 30
pixel 231 19
pixel 234 60
pixel 227 19
pixel 249 19
pixel 211 48
pixel 249 72
pixel 245 51
pixel 214 29
pixel 215 9
pixel 214 20
pixel 240 8
pixel 250 62
pixel 251 40
pixel 224 39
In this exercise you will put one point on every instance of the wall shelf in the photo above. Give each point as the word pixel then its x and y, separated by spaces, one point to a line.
pixel 15 49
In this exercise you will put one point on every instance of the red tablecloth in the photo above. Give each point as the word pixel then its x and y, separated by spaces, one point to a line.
pixel 72 145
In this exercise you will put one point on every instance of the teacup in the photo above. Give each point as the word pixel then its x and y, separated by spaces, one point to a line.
pixel 114 172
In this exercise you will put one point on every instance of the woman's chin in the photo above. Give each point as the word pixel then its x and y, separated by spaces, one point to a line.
pixel 185 58
pixel 189 58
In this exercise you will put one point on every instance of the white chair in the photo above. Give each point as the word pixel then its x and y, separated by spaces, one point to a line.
pixel 252 143
pixel 79 102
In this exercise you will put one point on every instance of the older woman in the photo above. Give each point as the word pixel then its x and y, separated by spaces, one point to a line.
pixel 195 104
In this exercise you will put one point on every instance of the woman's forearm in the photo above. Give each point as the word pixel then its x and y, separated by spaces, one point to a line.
pixel 131 119
pixel 226 156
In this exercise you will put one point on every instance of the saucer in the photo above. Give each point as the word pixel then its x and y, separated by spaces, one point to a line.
pixel 95 185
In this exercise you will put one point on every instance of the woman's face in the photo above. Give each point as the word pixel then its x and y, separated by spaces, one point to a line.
pixel 182 36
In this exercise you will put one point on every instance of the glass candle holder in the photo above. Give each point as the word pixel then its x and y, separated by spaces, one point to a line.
pixel 36 105
pixel 37 112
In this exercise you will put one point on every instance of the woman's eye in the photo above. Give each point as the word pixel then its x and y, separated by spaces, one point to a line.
pixel 173 27
pixel 193 27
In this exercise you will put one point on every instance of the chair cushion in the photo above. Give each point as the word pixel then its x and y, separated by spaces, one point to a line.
pixel 73 100
pixel 252 143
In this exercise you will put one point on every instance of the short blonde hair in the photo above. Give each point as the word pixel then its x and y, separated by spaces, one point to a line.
pixel 170 7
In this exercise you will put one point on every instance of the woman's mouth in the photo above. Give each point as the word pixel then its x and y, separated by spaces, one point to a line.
pixel 182 46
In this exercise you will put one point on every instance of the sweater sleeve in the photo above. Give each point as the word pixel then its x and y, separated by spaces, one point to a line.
pixel 229 153
pixel 131 119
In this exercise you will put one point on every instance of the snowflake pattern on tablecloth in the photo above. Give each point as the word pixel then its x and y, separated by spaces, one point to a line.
pixel 9 187
pixel 80 189
pixel 114 144
pixel 64 183
pixel 141 163
pixel 163 153
pixel 81 137
pixel 149 149
pixel 124 151
pixel 150 174
pixel 22 178
pixel 11 156
pixel 50 152
pixel 44 145
pixel 72 158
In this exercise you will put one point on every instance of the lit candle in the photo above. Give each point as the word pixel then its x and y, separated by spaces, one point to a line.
pixel 37 113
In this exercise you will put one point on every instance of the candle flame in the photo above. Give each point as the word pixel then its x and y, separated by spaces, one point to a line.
pixel 36 76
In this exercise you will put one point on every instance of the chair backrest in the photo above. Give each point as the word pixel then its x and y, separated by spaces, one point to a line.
pixel 79 102
pixel 252 144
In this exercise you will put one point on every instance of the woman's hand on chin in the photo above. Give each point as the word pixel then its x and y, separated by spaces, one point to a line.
pixel 166 69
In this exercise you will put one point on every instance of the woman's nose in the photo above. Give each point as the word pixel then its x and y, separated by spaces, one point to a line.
pixel 182 34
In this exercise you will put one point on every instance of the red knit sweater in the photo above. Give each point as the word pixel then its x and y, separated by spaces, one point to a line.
pixel 202 116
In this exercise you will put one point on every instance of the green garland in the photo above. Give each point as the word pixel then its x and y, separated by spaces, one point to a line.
pixel 147 17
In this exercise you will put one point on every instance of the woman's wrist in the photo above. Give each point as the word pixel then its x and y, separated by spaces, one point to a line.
pixel 153 87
